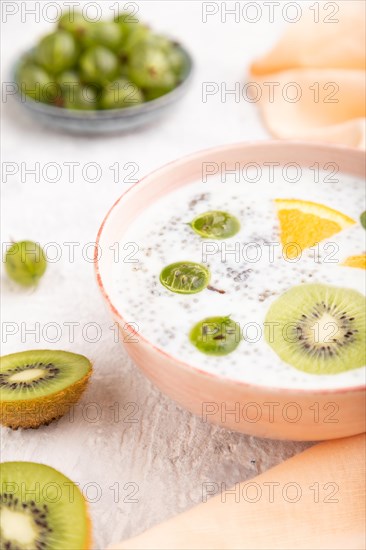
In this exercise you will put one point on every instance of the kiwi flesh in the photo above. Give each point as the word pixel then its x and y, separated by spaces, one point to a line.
pixel 39 386
pixel 319 329
pixel 41 509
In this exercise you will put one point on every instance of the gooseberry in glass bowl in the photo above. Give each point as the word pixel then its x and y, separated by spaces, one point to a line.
pixel 102 77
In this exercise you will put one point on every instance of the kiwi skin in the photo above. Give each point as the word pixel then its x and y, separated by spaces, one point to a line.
pixel 42 410
pixel 39 412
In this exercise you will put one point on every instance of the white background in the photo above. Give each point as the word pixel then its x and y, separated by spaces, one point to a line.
pixel 168 453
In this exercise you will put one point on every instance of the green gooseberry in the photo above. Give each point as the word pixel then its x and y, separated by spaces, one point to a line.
pixel 69 83
pixel 138 34
pixel 103 33
pixel 25 262
pixel 29 58
pixel 128 22
pixel 119 94
pixel 57 52
pixel 177 61
pixel 185 277
pixel 68 79
pixel 149 68
pixel 81 97
pixel 98 65
pixel 123 70
pixel 159 41
pixel 36 83
pixel 363 219
pixel 154 93
pixel 215 225
pixel 75 23
pixel 216 335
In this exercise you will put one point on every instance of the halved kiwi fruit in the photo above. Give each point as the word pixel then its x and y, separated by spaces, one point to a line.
pixel 41 509
pixel 318 329
pixel 39 386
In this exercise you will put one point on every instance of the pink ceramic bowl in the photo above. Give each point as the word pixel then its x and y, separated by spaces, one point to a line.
pixel 262 411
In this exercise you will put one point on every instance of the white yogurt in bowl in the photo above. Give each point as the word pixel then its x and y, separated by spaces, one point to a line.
pixel 251 389
pixel 250 269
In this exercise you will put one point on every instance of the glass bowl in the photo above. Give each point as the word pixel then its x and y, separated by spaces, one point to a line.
pixel 102 121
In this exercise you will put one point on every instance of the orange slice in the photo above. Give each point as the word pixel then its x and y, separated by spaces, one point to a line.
pixel 305 223
pixel 356 261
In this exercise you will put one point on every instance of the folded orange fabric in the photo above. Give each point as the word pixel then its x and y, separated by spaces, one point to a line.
pixel 313 81
pixel 315 500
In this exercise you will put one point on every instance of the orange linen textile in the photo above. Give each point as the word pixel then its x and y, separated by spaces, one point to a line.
pixel 318 502
pixel 313 80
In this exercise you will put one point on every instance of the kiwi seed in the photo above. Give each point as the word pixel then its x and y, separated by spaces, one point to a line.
pixel 318 328
pixel 41 509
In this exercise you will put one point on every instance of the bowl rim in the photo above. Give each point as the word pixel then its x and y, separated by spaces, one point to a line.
pixel 103 114
pixel 260 389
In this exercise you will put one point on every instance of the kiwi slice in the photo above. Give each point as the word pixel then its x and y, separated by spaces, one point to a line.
pixel 318 329
pixel 39 386
pixel 41 509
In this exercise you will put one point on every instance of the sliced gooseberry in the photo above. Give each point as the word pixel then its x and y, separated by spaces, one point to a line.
pixel 216 335
pixel 215 224
pixel 185 277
